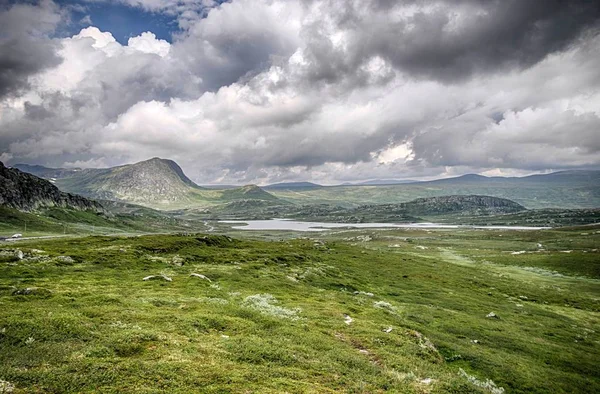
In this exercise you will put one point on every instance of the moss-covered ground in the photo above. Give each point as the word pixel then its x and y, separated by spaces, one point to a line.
pixel 346 311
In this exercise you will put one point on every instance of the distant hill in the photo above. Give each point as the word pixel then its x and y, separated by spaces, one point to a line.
pixel 472 204
pixel 158 183
pixel 45 172
pixel 293 185
pixel 28 192
pixel 564 177
pixel 376 182
pixel 248 192
pixel 564 190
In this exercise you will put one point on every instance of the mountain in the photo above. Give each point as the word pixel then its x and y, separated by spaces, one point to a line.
pixel 45 172
pixel 28 192
pixel 565 190
pixel 292 185
pixel 376 182
pixel 248 192
pixel 151 181
pixel 158 183
pixel 564 177
pixel 580 176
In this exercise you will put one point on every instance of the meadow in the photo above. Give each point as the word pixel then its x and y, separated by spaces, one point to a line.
pixel 356 311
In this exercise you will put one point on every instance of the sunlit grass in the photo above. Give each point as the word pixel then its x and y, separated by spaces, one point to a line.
pixel 272 318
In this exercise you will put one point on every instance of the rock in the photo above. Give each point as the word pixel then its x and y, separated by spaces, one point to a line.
pixel 27 192
pixel 200 276
pixel 523 297
pixel 161 276
pixel 388 330
pixel 492 315
pixel 348 320
pixel 368 294
pixel 6 387
pixel 65 259
pixel 32 291
pixel 427 381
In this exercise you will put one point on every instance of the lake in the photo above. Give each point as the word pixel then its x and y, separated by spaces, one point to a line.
pixel 295 225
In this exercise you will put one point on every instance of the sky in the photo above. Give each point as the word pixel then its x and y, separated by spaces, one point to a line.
pixel 329 91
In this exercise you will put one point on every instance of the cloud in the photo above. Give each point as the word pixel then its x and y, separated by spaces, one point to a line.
pixel 443 40
pixel 326 90
pixel 147 43
pixel 25 46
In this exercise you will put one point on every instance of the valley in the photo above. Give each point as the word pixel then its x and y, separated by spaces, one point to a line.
pixel 150 282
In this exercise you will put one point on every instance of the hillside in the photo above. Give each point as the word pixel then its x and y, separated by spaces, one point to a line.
pixel 45 172
pixel 360 311
pixel 293 185
pixel 482 205
pixel 151 181
pixel 157 183
pixel 453 207
pixel 566 189
pixel 27 192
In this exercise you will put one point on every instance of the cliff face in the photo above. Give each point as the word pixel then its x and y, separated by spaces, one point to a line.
pixel 27 192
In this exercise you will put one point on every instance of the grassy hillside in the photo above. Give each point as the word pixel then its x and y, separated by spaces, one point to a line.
pixel 57 221
pixel 156 183
pixel 564 190
pixel 356 311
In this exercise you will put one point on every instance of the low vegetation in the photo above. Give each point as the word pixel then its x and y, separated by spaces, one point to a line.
pixel 414 311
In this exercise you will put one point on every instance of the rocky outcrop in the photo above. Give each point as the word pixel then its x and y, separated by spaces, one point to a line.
pixel 471 204
pixel 27 192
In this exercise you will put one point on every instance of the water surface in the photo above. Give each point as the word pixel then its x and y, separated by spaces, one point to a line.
pixel 296 225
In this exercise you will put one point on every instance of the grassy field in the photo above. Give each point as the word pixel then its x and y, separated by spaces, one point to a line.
pixel 60 221
pixel 344 311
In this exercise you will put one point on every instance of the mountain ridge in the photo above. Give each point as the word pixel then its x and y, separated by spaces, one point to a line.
pixel 27 192
pixel 156 182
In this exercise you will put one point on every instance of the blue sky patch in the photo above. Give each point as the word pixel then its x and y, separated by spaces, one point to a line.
pixel 120 20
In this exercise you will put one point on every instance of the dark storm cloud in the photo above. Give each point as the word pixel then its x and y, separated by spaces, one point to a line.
pixel 446 40
pixel 25 49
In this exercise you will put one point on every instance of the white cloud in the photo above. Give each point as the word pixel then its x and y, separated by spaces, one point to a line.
pixel 147 43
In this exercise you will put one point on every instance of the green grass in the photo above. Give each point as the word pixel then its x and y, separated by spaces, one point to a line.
pixel 531 195
pixel 60 221
pixel 89 323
